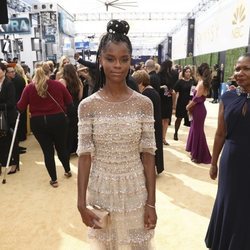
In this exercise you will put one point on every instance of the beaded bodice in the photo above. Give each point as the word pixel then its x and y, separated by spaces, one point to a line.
pixel 115 132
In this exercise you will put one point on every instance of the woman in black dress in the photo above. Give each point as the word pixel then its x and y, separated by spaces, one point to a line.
pixel 74 85
pixel 168 78
pixel 183 96
pixel 142 78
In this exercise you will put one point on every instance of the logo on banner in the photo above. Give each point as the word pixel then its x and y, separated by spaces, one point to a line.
pixel 16 25
pixel 239 17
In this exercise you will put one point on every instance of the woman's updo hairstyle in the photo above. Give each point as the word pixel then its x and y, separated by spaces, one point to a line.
pixel 205 72
pixel 117 26
pixel 117 31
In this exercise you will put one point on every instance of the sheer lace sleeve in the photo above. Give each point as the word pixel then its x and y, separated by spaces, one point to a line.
pixel 85 129
pixel 148 136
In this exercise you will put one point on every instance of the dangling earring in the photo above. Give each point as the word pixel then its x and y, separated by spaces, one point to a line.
pixel 100 67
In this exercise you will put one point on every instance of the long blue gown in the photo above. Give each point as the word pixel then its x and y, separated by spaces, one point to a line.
pixel 229 228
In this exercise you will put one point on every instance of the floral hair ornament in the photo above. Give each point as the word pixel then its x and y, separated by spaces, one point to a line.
pixel 241 91
pixel 117 27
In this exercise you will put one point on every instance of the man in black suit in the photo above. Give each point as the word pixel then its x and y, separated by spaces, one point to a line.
pixel 19 84
pixel 155 81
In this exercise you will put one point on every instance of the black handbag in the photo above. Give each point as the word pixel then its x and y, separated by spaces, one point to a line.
pixel 4 126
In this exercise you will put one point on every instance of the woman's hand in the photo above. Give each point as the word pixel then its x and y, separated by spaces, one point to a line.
pixel 189 108
pixel 150 217
pixel 213 171
pixel 88 217
pixel 231 87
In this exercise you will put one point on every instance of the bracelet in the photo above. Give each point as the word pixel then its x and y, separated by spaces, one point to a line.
pixel 151 206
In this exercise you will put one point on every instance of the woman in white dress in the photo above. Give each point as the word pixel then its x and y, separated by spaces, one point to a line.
pixel 116 147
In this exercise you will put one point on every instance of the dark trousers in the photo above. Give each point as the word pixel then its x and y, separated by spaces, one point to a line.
pixel 216 89
pixel 5 143
pixel 51 133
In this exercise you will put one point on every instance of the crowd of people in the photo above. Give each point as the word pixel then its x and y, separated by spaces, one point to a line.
pixel 115 118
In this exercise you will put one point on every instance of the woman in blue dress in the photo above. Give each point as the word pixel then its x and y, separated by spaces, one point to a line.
pixel 229 227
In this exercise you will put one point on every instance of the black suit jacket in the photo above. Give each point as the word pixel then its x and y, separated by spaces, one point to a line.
pixel 155 81
pixel 19 84
pixel 8 98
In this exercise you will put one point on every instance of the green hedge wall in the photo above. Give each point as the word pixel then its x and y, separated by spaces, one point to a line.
pixel 212 58
pixel 231 57
pixel 189 61
pixel 206 58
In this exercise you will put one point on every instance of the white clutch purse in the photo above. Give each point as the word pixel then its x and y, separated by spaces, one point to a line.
pixel 101 213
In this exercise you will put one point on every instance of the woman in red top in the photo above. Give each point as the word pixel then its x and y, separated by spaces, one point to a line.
pixel 47 100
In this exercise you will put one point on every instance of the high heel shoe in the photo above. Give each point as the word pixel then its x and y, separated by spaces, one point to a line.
pixel 175 136
pixel 14 171
pixel 165 142
pixel 195 160
pixel 68 174
pixel 54 184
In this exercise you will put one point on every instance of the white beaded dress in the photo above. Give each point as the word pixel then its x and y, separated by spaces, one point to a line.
pixel 115 133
